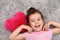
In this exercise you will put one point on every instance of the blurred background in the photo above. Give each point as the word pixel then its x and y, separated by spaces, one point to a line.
pixel 49 8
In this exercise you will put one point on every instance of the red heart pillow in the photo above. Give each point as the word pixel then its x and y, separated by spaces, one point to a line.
pixel 12 23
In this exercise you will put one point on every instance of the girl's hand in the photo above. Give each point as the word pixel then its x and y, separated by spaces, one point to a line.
pixel 27 28
pixel 46 27
pixel 15 35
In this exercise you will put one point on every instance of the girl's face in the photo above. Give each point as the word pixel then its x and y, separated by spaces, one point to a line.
pixel 36 21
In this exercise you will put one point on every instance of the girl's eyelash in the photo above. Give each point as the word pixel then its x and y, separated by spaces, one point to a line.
pixel 38 19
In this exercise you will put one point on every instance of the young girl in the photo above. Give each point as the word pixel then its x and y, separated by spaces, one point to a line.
pixel 37 29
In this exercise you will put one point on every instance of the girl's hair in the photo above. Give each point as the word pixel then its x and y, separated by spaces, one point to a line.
pixel 32 11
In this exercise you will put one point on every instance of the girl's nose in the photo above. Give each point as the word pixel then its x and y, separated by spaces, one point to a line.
pixel 36 22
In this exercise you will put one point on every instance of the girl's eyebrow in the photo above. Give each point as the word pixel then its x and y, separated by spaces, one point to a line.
pixel 39 17
pixel 31 19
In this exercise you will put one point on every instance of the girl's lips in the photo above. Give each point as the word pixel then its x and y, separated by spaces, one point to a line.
pixel 37 26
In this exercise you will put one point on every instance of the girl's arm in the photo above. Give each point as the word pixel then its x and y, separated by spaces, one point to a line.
pixel 55 30
pixel 57 25
pixel 16 36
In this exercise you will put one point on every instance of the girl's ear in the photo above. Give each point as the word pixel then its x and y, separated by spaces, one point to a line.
pixel 29 24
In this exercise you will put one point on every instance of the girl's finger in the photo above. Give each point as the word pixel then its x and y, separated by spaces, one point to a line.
pixel 46 27
pixel 29 29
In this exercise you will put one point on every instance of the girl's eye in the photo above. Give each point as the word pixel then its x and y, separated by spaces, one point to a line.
pixel 32 21
pixel 38 19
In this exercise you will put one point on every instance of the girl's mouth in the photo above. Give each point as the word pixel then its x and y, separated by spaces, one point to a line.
pixel 37 26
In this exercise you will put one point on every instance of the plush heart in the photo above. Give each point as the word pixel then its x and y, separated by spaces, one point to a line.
pixel 12 23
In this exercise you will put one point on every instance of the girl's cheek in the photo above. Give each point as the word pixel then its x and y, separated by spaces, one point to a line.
pixel 32 24
pixel 41 21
